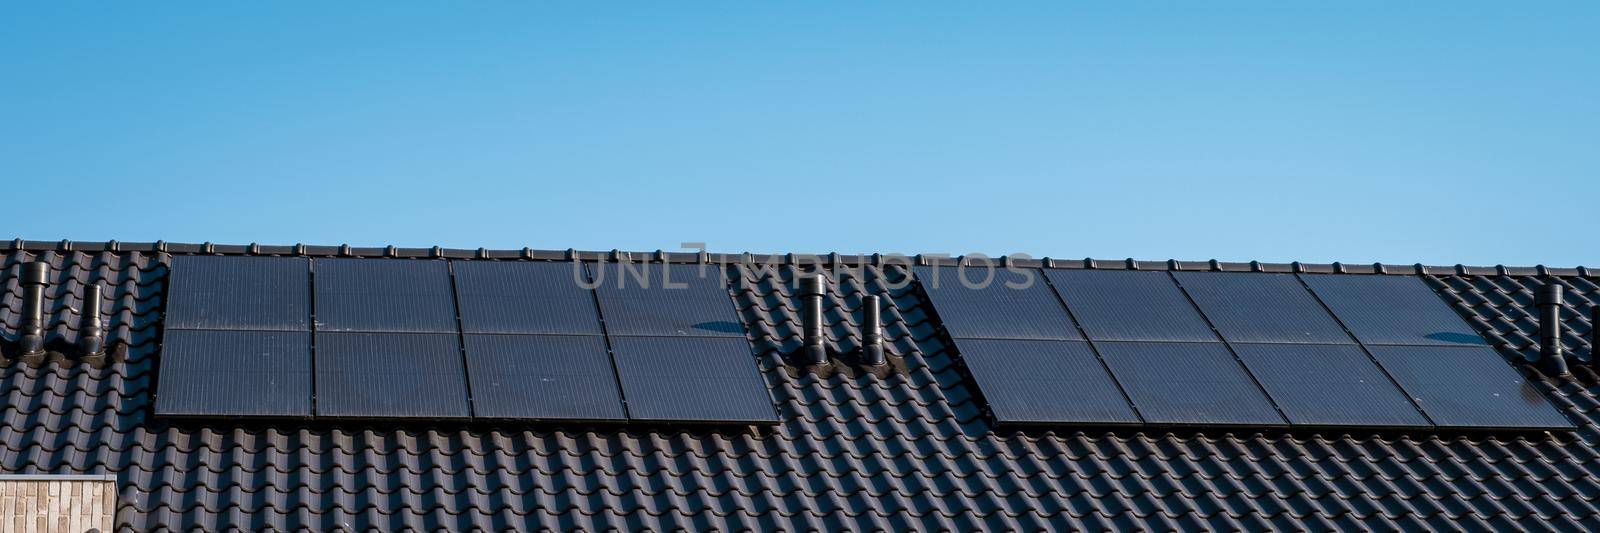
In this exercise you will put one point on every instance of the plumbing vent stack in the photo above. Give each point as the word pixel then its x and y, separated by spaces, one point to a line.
pixel 91 335
pixel 872 331
pixel 816 352
pixel 1549 302
pixel 34 277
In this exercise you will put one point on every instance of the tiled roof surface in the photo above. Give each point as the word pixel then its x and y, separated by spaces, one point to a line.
pixel 903 448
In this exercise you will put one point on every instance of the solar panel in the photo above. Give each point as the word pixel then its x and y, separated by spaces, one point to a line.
pixel 995 310
pixel 1255 307
pixel 1392 310
pixel 525 297
pixel 692 379
pixel 387 375
pixel 1329 385
pixel 1027 381
pixel 235 373
pixel 1468 387
pixel 665 299
pixel 393 295
pixel 255 293
pixel 1188 383
pixel 542 377
pixel 1129 305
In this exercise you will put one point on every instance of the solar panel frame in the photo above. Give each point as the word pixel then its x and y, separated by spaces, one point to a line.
pixel 1130 305
pixel 223 373
pixel 1189 383
pixel 543 377
pixel 1251 307
pixel 525 297
pixel 390 375
pixel 1469 388
pixel 1045 382
pixel 1392 309
pixel 995 310
pixel 1329 385
pixel 384 295
pixel 239 293
pixel 692 380
pixel 701 307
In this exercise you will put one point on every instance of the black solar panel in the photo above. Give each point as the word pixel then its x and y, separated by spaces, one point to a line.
pixel 1468 387
pixel 1188 383
pixel 542 377
pixel 995 310
pixel 1392 310
pixel 656 299
pixel 692 379
pixel 384 295
pixel 1130 305
pixel 390 375
pixel 1026 381
pixel 525 297
pixel 1329 385
pixel 1255 307
pixel 235 373
pixel 254 293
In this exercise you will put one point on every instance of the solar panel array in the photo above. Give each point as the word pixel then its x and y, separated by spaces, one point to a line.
pixel 1125 347
pixel 399 338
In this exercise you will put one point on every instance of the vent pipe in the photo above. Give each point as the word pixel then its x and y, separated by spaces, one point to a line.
pixel 816 351
pixel 34 277
pixel 1549 302
pixel 91 334
pixel 872 331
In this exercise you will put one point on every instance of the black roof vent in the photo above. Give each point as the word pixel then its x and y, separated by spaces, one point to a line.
pixel 872 331
pixel 34 277
pixel 816 349
pixel 91 334
pixel 1549 302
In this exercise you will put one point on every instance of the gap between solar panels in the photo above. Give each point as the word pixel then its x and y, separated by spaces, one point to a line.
pixel 437 340
pixel 1078 347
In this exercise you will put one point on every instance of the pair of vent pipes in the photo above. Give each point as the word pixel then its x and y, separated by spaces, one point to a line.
pixel 91 334
pixel 1549 301
pixel 816 348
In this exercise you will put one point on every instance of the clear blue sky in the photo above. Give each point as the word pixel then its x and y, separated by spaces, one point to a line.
pixel 1460 132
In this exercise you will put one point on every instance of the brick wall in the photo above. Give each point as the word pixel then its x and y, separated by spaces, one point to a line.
pixel 68 504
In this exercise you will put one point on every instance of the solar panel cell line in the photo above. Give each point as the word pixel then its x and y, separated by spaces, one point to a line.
pixel 692 379
pixel 525 297
pixel 1392 310
pixel 239 293
pixel 1189 383
pixel 542 377
pixel 384 295
pixel 1468 388
pixel 1329 385
pixel 1029 382
pixel 1257 307
pixel 1005 306
pixel 235 373
pixel 390 375
pixel 1129 305
pixel 665 299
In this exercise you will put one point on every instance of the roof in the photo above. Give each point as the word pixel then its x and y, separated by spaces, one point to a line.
pixel 905 448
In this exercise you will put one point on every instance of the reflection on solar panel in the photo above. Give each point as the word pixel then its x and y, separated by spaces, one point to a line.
pixel 1255 307
pixel 1329 385
pixel 392 295
pixel 388 375
pixel 666 299
pixel 542 377
pixel 1468 387
pixel 255 293
pixel 1188 383
pixel 235 373
pixel 525 297
pixel 1130 305
pixel 1006 306
pixel 1026 381
pixel 691 379
pixel 1392 310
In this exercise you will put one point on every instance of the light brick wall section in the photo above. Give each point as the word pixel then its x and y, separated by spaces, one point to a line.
pixel 57 504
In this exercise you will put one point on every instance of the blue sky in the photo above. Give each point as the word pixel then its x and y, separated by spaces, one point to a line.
pixel 1460 132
